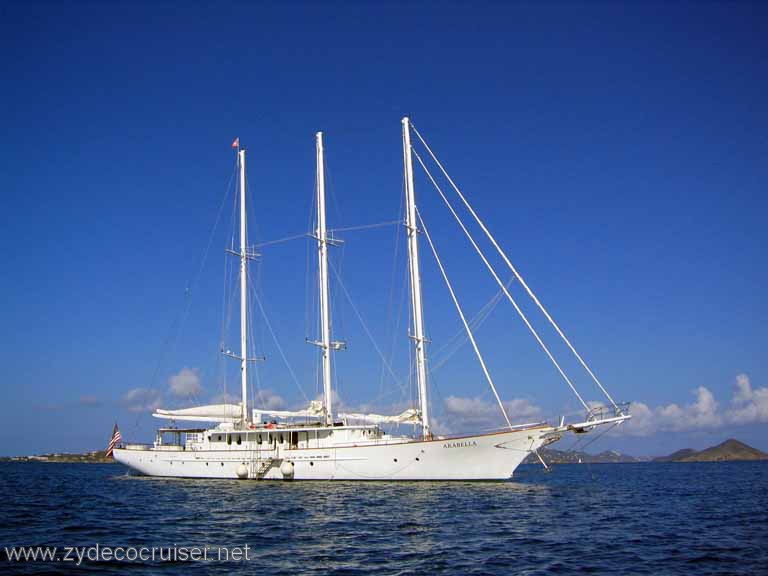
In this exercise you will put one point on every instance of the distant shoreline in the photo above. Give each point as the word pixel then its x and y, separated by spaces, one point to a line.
pixel 95 457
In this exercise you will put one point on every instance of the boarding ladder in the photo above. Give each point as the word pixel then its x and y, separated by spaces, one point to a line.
pixel 259 465
pixel 261 468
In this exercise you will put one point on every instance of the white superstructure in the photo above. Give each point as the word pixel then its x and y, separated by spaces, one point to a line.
pixel 317 444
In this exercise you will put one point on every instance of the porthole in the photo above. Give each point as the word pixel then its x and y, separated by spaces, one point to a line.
pixel 417 458
pixel 395 459
pixel 311 463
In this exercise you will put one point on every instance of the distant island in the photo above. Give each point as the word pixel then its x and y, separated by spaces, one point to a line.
pixel 94 457
pixel 730 450
pixel 552 456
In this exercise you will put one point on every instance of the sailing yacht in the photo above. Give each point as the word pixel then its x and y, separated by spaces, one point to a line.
pixel 317 443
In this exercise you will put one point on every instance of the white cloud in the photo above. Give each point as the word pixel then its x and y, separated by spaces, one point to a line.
pixel 520 408
pixel 462 413
pixel 185 383
pixel 225 398
pixel 703 413
pixel 698 415
pixel 643 422
pixel 142 399
pixel 266 399
pixel 747 405
pixel 743 389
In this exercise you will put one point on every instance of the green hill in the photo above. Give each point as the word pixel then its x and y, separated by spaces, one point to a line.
pixel 730 450
pixel 676 456
pixel 553 456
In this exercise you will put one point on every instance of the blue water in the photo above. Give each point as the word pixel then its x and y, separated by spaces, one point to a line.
pixel 692 519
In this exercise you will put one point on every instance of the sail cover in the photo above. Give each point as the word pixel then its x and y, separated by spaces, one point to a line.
pixel 410 416
pixel 208 413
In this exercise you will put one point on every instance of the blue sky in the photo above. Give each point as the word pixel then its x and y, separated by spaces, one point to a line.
pixel 617 152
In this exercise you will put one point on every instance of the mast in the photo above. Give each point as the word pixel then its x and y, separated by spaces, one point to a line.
pixel 415 276
pixel 243 293
pixel 322 255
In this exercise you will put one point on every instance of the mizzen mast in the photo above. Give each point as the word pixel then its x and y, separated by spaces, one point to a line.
pixel 415 277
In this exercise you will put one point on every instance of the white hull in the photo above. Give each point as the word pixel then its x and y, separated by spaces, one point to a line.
pixel 492 456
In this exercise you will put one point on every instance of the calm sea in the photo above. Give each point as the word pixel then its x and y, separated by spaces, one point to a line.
pixel 692 519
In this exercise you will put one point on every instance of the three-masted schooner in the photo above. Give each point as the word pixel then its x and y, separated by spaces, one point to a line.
pixel 318 444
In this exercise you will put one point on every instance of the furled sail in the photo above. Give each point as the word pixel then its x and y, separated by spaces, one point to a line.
pixel 314 410
pixel 410 416
pixel 208 413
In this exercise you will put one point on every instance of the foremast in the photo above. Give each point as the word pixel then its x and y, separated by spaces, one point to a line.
pixel 418 337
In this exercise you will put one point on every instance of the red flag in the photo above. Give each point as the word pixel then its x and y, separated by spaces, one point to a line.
pixel 116 439
pixel 236 143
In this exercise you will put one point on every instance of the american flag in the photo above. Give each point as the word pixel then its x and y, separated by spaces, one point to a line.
pixel 116 439
pixel 236 143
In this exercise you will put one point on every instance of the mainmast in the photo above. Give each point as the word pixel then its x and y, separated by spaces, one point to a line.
pixel 243 293
pixel 325 308
pixel 415 276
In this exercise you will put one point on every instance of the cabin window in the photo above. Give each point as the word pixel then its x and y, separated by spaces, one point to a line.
pixel 239 440
pixel 258 438
pixel 282 440
pixel 229 439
